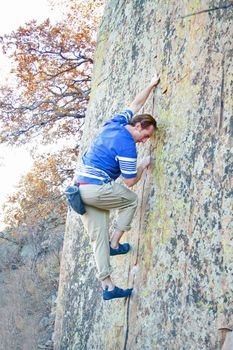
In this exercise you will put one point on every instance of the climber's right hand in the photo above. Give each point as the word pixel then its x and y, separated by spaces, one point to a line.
pixel 155 80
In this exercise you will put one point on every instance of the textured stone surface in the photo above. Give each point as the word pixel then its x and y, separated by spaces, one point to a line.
pixel 180 264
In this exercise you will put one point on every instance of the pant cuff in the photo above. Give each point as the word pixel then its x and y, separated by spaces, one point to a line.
pixel 102 275
pixel 122 228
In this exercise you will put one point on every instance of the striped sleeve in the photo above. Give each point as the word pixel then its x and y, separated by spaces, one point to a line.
pixel 128 166
pixel 123 117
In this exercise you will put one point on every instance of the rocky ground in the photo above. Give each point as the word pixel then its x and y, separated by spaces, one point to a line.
pixel 29 274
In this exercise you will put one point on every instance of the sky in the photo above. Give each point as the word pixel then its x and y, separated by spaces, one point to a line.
pixel 16 161
pixel 15 13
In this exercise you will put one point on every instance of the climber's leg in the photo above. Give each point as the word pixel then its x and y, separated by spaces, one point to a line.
pixel 126 201
pixel 96 222
pixel 112 196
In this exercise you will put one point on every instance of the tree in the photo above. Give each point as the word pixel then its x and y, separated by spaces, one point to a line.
pixel 48 99
pixel 53 66
pixel 39 199
pixel 49 95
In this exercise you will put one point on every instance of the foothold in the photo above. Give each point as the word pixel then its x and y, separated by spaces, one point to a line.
pixel 228 342
pixel 134 271
pixel 225 339
pixel 152 161
pixel 226 328
pixel 164 89
pixel 134 292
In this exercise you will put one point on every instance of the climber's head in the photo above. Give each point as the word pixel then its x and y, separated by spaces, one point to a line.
pixel 143 127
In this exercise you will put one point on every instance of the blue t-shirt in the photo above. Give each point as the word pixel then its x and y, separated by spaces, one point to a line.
pixel 113 153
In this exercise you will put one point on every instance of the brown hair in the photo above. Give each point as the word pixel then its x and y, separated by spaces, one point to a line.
pixel 145 120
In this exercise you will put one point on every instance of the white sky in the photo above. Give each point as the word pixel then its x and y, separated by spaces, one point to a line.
pixel 15 13
pixel 16 161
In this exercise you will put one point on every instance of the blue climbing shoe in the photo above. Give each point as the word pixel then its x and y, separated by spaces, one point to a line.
pixel 122 249
pixel 116 293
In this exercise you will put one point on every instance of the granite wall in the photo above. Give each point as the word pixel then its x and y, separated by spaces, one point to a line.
pixel 181 261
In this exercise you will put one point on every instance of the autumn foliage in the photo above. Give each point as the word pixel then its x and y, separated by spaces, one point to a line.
pixel 39 198
pixel 52 75
pixel 46 102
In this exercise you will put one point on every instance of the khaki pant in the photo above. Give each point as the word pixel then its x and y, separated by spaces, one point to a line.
pixel 98 200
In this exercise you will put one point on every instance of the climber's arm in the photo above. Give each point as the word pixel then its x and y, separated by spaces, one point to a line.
pixel 142 166
pixel 141 98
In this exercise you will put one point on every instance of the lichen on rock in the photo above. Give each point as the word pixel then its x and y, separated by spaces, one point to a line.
pixel 180 263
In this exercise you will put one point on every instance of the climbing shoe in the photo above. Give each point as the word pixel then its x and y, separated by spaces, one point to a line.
pixel 122 249
pixel 116 293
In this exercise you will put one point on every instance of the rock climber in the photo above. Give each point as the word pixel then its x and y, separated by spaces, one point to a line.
pixel 113 153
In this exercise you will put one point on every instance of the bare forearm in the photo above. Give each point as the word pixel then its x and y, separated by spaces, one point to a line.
pixel 145 162
pixel 141 98
pixel 133 181
pixel 140 170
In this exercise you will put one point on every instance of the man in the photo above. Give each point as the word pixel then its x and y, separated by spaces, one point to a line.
pixel 113 153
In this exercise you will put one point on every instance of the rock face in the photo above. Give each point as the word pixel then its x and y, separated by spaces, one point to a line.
pixel 180 263
pixel 29 273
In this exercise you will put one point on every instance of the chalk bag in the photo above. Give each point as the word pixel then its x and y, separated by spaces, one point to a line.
pixel 74 199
